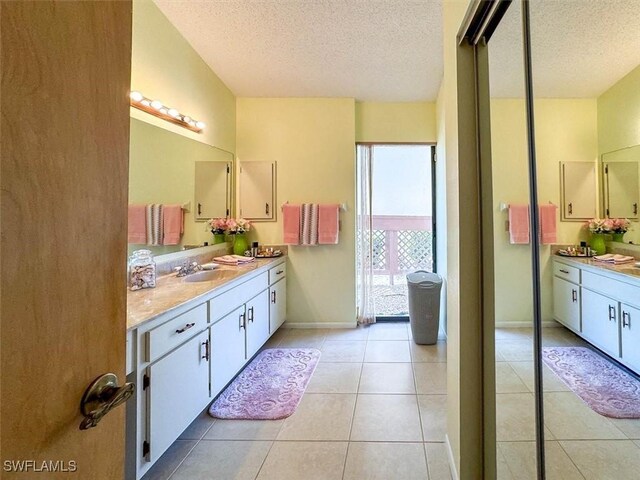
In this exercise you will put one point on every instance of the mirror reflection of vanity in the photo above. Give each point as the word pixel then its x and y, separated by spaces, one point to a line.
pixel 168 168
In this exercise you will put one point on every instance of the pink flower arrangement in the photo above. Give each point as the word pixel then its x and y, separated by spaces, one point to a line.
pixel 620 225
pixel 218 225
pixel 238 225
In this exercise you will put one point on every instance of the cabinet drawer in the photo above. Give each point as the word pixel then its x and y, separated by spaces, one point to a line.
pixel 232 299
pixel 169 335
pixel 612 288
pixel 567 272
pixel 277 272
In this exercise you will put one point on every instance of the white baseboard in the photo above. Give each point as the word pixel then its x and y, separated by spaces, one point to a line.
pixel 526 324
pixel 452 461
pixel 320 324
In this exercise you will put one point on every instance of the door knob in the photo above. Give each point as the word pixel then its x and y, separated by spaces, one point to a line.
pixel 102 396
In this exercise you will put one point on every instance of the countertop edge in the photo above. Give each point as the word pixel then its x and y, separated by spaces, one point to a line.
pixel 599 269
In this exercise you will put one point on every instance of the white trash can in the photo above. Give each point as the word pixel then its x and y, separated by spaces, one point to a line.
pixel 424 306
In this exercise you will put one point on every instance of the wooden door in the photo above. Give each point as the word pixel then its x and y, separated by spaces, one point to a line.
pixel 578 190
pixel 600 321
pixel 227 348
pixel 630 333
pixel 257 322
pixel 65 147
pixel 566 303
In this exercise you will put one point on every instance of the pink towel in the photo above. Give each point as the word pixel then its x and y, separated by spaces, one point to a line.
pixel 291 224
pixel 519 224
pixel 233 260
pixel 328 224
pixel 137 225
pixel 548 225
pixel 172 223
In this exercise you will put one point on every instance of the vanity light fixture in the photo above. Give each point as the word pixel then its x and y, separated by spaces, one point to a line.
pixel 156 108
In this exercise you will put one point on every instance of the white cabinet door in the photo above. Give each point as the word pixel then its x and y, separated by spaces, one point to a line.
pixel 630 335
pixel 579 191
pixel 178 391
pixel 257 187
pixel 600 321
pixel 212 189
pixel 227 349
pixel 257 322
pixel 566 303
pixel 277 305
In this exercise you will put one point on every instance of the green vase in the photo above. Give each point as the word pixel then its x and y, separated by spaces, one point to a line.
pixel 240 244
pixel 597 243
pixel 618 237
pixel 218 238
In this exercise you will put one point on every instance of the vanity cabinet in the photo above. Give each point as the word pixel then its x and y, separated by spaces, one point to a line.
pixel 257 323
pixel 277 305
pixel 227 349
pixel 607 312
pixel 177 389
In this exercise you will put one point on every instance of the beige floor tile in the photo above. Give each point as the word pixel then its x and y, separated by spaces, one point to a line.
pixel 223 460
pixel 335 378
pixel 428 353
pixel 304 460
pixel 515 417
pixel 433 415
pixel 168 462
pixel 295 341
pixel 384 461
pixel 560 337
pixel 502 467
pixel 605 459
pixel 500 357
pixel 342 334
pixel 514 334
pixel 551 382
pixel 630 427
pixel 387 351
pixel 387 378
pixel 438 461
pixel 515 351
pixel 307 332
pixel 320 416
pixel 507 381
pixel 389 331
pixel 431 378
pixel 386 418
pixel 569 418
pixel 347 351
pixel 198 427
pixel 244 430
pixel 521 460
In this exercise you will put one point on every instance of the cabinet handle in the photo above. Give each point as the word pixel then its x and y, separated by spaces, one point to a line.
pixel 205 344
pixel 574 295
pixel 279 272
pixel 273 297
pixel 635 208
pixel 571 209
pixel 266 208
pixel 186 327
pixel 612 313
pixel 626 319
pixel 564 271
pixel 199 209
pixel 242 320
pixel 251 314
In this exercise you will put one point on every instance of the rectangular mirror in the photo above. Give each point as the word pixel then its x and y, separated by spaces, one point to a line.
pixel 621 183
pixel 168 168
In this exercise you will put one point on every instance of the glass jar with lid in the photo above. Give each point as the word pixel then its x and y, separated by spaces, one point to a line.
pixel 142 270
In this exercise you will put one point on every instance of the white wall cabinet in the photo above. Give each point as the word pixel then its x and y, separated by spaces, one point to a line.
pixel 609 312
pixel 257 190
pixel 184 358
pixel 578 188
pixel 212 189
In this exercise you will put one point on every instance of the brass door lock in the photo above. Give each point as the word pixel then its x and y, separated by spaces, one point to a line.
pixel 102 396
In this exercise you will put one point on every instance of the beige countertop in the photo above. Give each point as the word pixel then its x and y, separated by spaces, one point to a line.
pixel 629 271
pixel 172 292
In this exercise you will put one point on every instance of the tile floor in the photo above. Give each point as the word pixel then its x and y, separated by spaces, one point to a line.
pixel 581 444
pixel 375 409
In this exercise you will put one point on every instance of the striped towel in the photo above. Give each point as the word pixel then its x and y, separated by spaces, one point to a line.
pixel 155 220
pixel 233 260
pixel 309 224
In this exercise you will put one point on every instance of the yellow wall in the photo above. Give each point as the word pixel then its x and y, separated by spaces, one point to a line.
pixel 619 114
pixel 566 130
pixel 396 122
pixel 313 142
pixel 166 68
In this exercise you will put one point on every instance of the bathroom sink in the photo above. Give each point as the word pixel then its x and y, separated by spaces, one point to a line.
pixel 209 276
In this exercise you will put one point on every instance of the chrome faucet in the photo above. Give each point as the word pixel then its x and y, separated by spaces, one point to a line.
pixel 187 269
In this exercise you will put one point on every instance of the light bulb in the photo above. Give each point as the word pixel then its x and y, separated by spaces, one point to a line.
pixel 186 119
pixel 201 125
pixel 136 96
pixel 163 110
pixel 173 112
pixel 146 103
pixel 156 104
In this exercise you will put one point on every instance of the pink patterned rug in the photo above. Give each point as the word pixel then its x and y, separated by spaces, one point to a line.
pixel 601 384
pixel 270 387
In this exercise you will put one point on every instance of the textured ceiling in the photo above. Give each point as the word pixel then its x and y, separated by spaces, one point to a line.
pixel 384 50
pixel 579 48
